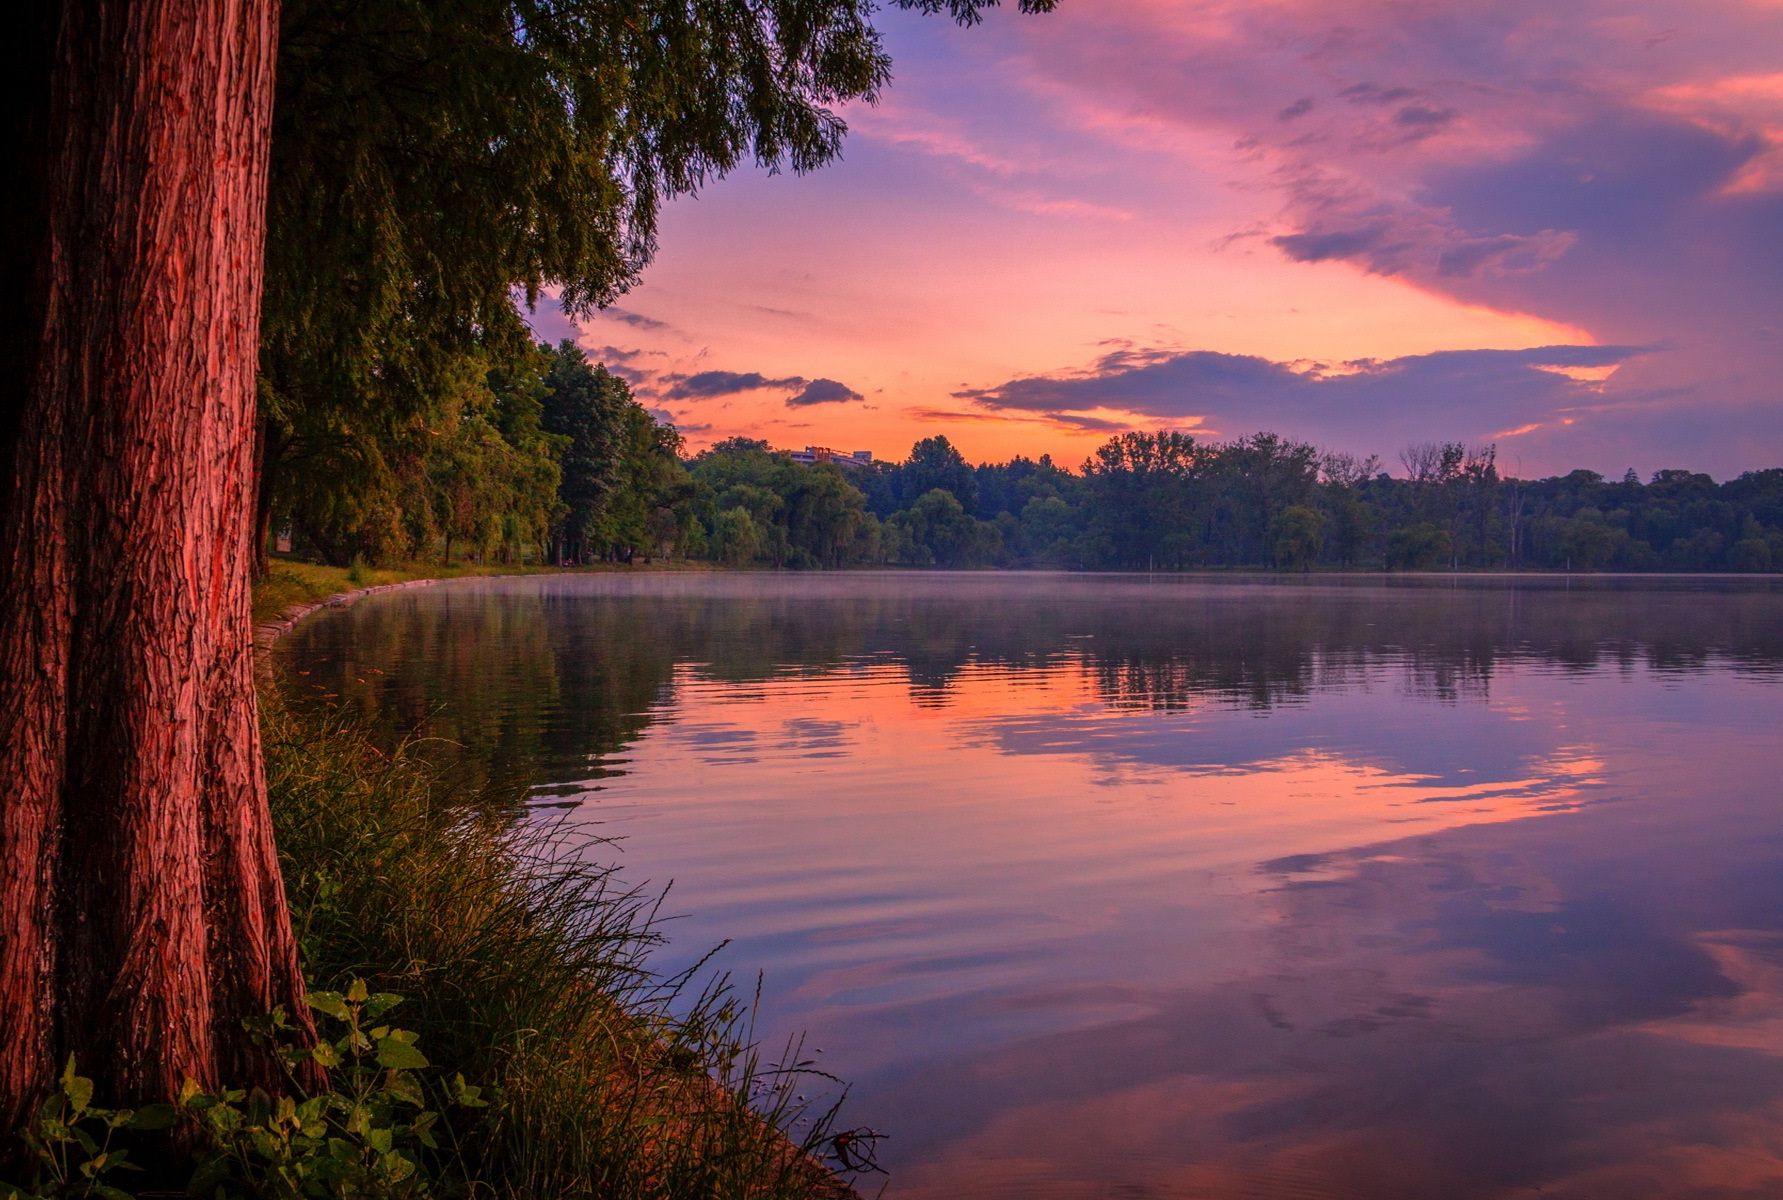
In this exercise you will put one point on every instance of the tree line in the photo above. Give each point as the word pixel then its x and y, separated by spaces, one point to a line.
pixel 542 458
pixel 551 459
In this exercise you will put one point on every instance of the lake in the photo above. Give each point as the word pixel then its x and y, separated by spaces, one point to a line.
pixel 1175 886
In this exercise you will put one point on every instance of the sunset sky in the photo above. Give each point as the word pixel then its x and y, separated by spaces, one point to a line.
pixel 1552 224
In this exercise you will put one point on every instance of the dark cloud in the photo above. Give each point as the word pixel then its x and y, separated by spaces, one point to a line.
pixel 1088 424
pixel 711 385
pixel 1374 93
pixel 1299 108
pixel 631 375
pixel 707 385
pixel 1521 157
pixel 823 391
pixel 636 320
pixel 1472 395
pixel 1329 244
pixel 1423 117
pixel 617 354
pixel 954 414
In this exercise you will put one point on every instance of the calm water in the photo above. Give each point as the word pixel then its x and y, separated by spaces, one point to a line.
pixel 1123 887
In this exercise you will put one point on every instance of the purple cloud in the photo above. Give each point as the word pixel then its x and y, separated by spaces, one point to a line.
pixel 635 320
pixel 823 391
pixel 1369 406
pixel 1575 162
pixel 707 385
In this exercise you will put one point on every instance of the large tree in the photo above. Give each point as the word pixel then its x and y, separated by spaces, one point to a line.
pixel 141 914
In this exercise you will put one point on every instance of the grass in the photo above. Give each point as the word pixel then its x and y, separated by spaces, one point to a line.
pixel 526 966
pixel 289 582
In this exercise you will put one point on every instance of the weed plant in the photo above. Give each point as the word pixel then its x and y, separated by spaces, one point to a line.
pixel 525 967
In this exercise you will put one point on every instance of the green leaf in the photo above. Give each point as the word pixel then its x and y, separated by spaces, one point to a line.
pixel 400 1055
pixel 325 1054
pixel 405 1089
pixel 77 1088
pixel 467 1095
pixel 153 1116
pixel 379 1004
pixel 356 991
pixel 210 1177
pixel 330 1003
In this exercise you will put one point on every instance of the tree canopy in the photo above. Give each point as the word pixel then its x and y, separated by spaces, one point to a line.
pixel 435 166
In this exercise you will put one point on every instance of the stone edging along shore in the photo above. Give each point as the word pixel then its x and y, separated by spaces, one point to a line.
pixel 268 632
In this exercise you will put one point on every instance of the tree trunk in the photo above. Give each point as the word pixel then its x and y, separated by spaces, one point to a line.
pixel 269 450
pixel 142 909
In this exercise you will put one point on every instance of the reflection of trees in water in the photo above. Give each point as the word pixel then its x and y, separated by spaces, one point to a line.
pixel 551 682
pixel 512 683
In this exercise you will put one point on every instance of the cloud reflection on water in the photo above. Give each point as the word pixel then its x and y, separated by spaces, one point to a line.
pixel 1107 887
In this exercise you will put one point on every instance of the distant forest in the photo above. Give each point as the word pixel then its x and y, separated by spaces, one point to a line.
pixel 552 459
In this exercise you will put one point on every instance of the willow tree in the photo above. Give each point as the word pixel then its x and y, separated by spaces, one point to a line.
pixel 432 156
pixel 432 162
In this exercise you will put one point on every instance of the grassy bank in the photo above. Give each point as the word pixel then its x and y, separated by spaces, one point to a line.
pixel 524 967
pixel 289 582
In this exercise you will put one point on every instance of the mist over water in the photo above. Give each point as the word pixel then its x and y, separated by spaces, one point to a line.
pixel 1175 886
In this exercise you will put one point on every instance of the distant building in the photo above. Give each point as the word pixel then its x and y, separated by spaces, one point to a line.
pixel 823 454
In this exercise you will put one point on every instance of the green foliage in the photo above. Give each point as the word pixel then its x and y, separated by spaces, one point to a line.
pixel 735 540
pixel 1297 533
pixel 1162 500
pixel 525 967
pixel 1750 554
pixel 436 166
pixel 561 445
pixel 937 530
pixel 72 1143
pixel 623 487
pixel 544 457
pixel 1417 547
pixel 934 463
pixel 369 1133
pixel 802 516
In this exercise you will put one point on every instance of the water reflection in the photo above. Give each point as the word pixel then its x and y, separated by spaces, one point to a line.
pixel 1181 888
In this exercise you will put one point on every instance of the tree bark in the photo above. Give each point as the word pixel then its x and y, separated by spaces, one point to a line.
pixel 269 451
pixel 142 908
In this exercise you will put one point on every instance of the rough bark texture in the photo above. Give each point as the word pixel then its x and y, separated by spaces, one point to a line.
pixel 269 448
pixel 142 909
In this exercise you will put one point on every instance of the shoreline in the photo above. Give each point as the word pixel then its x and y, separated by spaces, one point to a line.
pixel 268 632
pixel 653 1079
